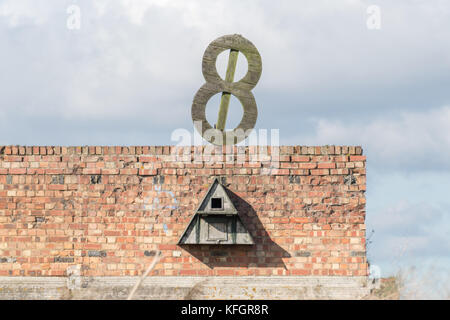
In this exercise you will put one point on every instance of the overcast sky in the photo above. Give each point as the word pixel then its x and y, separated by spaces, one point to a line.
pixel 127 76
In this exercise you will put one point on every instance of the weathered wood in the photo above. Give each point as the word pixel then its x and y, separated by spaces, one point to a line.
pixel 197 230
pixel 240 89
pixel 225 100
pixel 216 225
pixel 233 230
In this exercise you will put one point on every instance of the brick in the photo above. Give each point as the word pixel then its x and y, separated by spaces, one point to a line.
pixel 64 259
pixel 300 272
pixel 17 171
pixel 96 253
pixel 278 172
pixel 300 158
pixel 108 209
pixel 326 165
pixel 148 172
pixel 147 159
pixel 320 172
pixel 357 158
pixel 302 254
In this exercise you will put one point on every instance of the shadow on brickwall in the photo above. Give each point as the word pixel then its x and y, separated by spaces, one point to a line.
pixel 264 253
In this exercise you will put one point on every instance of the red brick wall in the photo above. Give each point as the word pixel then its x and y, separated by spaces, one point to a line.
pixel 107 208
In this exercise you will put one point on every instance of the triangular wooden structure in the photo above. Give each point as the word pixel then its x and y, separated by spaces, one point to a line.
pixel 216 221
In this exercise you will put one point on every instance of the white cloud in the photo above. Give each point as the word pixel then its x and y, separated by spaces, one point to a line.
pixel 20 13
pixel 405 217
pixel 405 141
pixel 410 234
pixel 144 56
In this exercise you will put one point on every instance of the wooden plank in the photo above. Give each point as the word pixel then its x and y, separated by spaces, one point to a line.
pixel 225 100
pixel 233 229
pixel 197 230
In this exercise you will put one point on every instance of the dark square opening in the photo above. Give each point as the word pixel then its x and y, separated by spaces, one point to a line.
pixel 217 203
